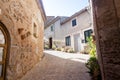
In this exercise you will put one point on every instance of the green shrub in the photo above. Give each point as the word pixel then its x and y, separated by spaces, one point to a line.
pixel 94 69
pixel 84 52
pixel 92 63
pixel 70 50
pixel 54 46
pixel 58 49
pixel 92 47
pixel 46 47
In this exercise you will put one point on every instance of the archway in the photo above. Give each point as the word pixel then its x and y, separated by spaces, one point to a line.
pixel 4 43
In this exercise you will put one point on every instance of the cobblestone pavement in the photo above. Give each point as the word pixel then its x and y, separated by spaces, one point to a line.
pixel 59 66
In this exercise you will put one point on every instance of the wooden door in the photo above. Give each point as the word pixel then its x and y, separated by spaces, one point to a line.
pixel 50 43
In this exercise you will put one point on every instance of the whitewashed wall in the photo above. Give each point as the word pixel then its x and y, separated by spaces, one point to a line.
pixel 83 23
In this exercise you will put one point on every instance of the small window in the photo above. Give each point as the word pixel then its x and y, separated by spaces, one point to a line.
pixel 74 22
pixel 52 29
pixel 87 34
pixel 35 30
pixel 68 41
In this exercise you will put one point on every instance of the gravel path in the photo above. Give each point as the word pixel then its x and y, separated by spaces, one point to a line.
pixel 59 66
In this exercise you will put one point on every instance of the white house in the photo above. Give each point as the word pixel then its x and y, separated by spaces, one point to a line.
pixel 77 28
pixel 53 31
pixel 71 31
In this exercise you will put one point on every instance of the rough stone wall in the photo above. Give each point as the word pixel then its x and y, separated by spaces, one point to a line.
pixel 26 49
pixel 107 28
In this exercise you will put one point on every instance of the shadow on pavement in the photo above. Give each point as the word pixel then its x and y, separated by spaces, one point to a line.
pixel 56 68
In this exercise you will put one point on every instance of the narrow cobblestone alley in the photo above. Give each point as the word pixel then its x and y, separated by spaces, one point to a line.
pixel 59 66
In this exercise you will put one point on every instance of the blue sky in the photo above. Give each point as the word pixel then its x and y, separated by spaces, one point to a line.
pixel 63 7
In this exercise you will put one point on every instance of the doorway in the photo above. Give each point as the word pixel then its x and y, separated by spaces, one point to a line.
pixel 3 50
pixel 50 43
pixel 77 42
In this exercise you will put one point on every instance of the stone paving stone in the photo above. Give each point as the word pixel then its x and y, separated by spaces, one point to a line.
pixel 56 68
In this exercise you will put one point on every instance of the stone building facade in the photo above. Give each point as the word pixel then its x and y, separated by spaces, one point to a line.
pixel 53 33
pixel 21 47
pixel 107 30
pixel 77 27
pixel 60 28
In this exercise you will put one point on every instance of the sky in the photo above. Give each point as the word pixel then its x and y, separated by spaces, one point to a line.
pixel 63 7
